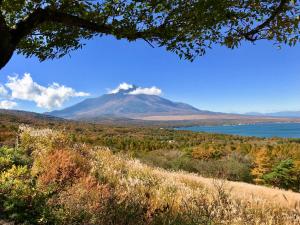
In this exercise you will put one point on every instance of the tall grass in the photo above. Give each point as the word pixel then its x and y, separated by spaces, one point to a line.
pixel 95 186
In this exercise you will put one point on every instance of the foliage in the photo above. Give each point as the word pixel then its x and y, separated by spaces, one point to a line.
pixel 282 175
pixel 263 164
pixel 10 157
pixel 207 151
pixel 19 199
pixel 49 29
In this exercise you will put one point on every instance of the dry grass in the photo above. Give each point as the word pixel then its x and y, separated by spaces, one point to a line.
pixel 229 202
pixel 255 194
pixel 134 193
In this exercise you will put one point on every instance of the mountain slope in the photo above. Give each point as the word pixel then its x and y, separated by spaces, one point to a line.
pixel 123 104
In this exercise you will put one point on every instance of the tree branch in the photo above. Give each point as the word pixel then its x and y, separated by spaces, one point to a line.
pixel 40 16
pixel 249 35
pixel 48 15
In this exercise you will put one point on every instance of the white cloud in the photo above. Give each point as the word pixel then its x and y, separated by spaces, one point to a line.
pixel 45 97
pixel 5 104
pixel 146 91
pixel 122 86
pixel 136 90
pixel 3 90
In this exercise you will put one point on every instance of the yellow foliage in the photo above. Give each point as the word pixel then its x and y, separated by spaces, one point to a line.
pixel 263 164
pixel 207 152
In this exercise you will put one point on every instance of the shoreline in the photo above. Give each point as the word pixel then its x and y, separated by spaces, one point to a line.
pixel 269 132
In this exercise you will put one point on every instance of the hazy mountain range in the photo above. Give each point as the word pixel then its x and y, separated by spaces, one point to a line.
pixel 289 114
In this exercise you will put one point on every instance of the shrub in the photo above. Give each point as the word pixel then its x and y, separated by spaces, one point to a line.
pixel 13 156
pixel 19 199
pixel 282 174
pixel 85 202
pixel 60 168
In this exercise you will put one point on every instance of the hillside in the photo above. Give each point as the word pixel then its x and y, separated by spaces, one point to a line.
pixel 50 174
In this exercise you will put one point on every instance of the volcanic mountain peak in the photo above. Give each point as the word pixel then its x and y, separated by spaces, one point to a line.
pixel 129 101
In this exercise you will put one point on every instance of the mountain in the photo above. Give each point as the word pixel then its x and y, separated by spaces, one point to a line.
pixel 125 105
pixel 20 116
pixel 286 114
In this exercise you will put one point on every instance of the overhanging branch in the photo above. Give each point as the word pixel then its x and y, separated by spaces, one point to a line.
pixel 47 15
pixel 40 16
pixel 249 35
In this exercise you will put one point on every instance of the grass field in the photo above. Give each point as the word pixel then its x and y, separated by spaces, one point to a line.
pixel 71 183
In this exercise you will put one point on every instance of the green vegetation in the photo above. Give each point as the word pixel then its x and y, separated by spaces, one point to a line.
pixel 283 175
pixel 50 179
pixel 51 29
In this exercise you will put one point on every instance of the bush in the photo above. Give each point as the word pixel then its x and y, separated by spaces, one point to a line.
pixel 85 202
pixel 57 169
pixel 19 199
pixel 282 174
pixel 13 156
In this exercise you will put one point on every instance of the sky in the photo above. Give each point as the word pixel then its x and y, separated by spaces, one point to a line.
pixel 252 78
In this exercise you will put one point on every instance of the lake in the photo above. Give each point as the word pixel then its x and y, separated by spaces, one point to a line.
pixel 285 130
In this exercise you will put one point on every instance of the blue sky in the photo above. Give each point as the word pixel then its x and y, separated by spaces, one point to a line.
pixel 251 78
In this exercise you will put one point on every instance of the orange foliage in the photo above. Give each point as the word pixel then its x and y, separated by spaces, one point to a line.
pixel 87 196
pixel 62 167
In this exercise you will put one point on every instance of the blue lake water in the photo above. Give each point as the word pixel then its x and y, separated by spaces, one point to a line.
pixel 286 130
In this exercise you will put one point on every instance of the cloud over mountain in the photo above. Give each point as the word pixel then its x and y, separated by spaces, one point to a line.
pixel 123 86
pixel 134 90
pixel 146 91
pixel 45 97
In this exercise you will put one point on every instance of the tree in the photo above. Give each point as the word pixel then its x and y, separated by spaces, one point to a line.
pixel 282 175
pixel 262 164
pixel 51 29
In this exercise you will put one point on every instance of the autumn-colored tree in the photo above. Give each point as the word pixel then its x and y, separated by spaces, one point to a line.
pixel 262 164
pixel 206 152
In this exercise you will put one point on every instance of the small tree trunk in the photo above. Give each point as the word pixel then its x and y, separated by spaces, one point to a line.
pixel 7 48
